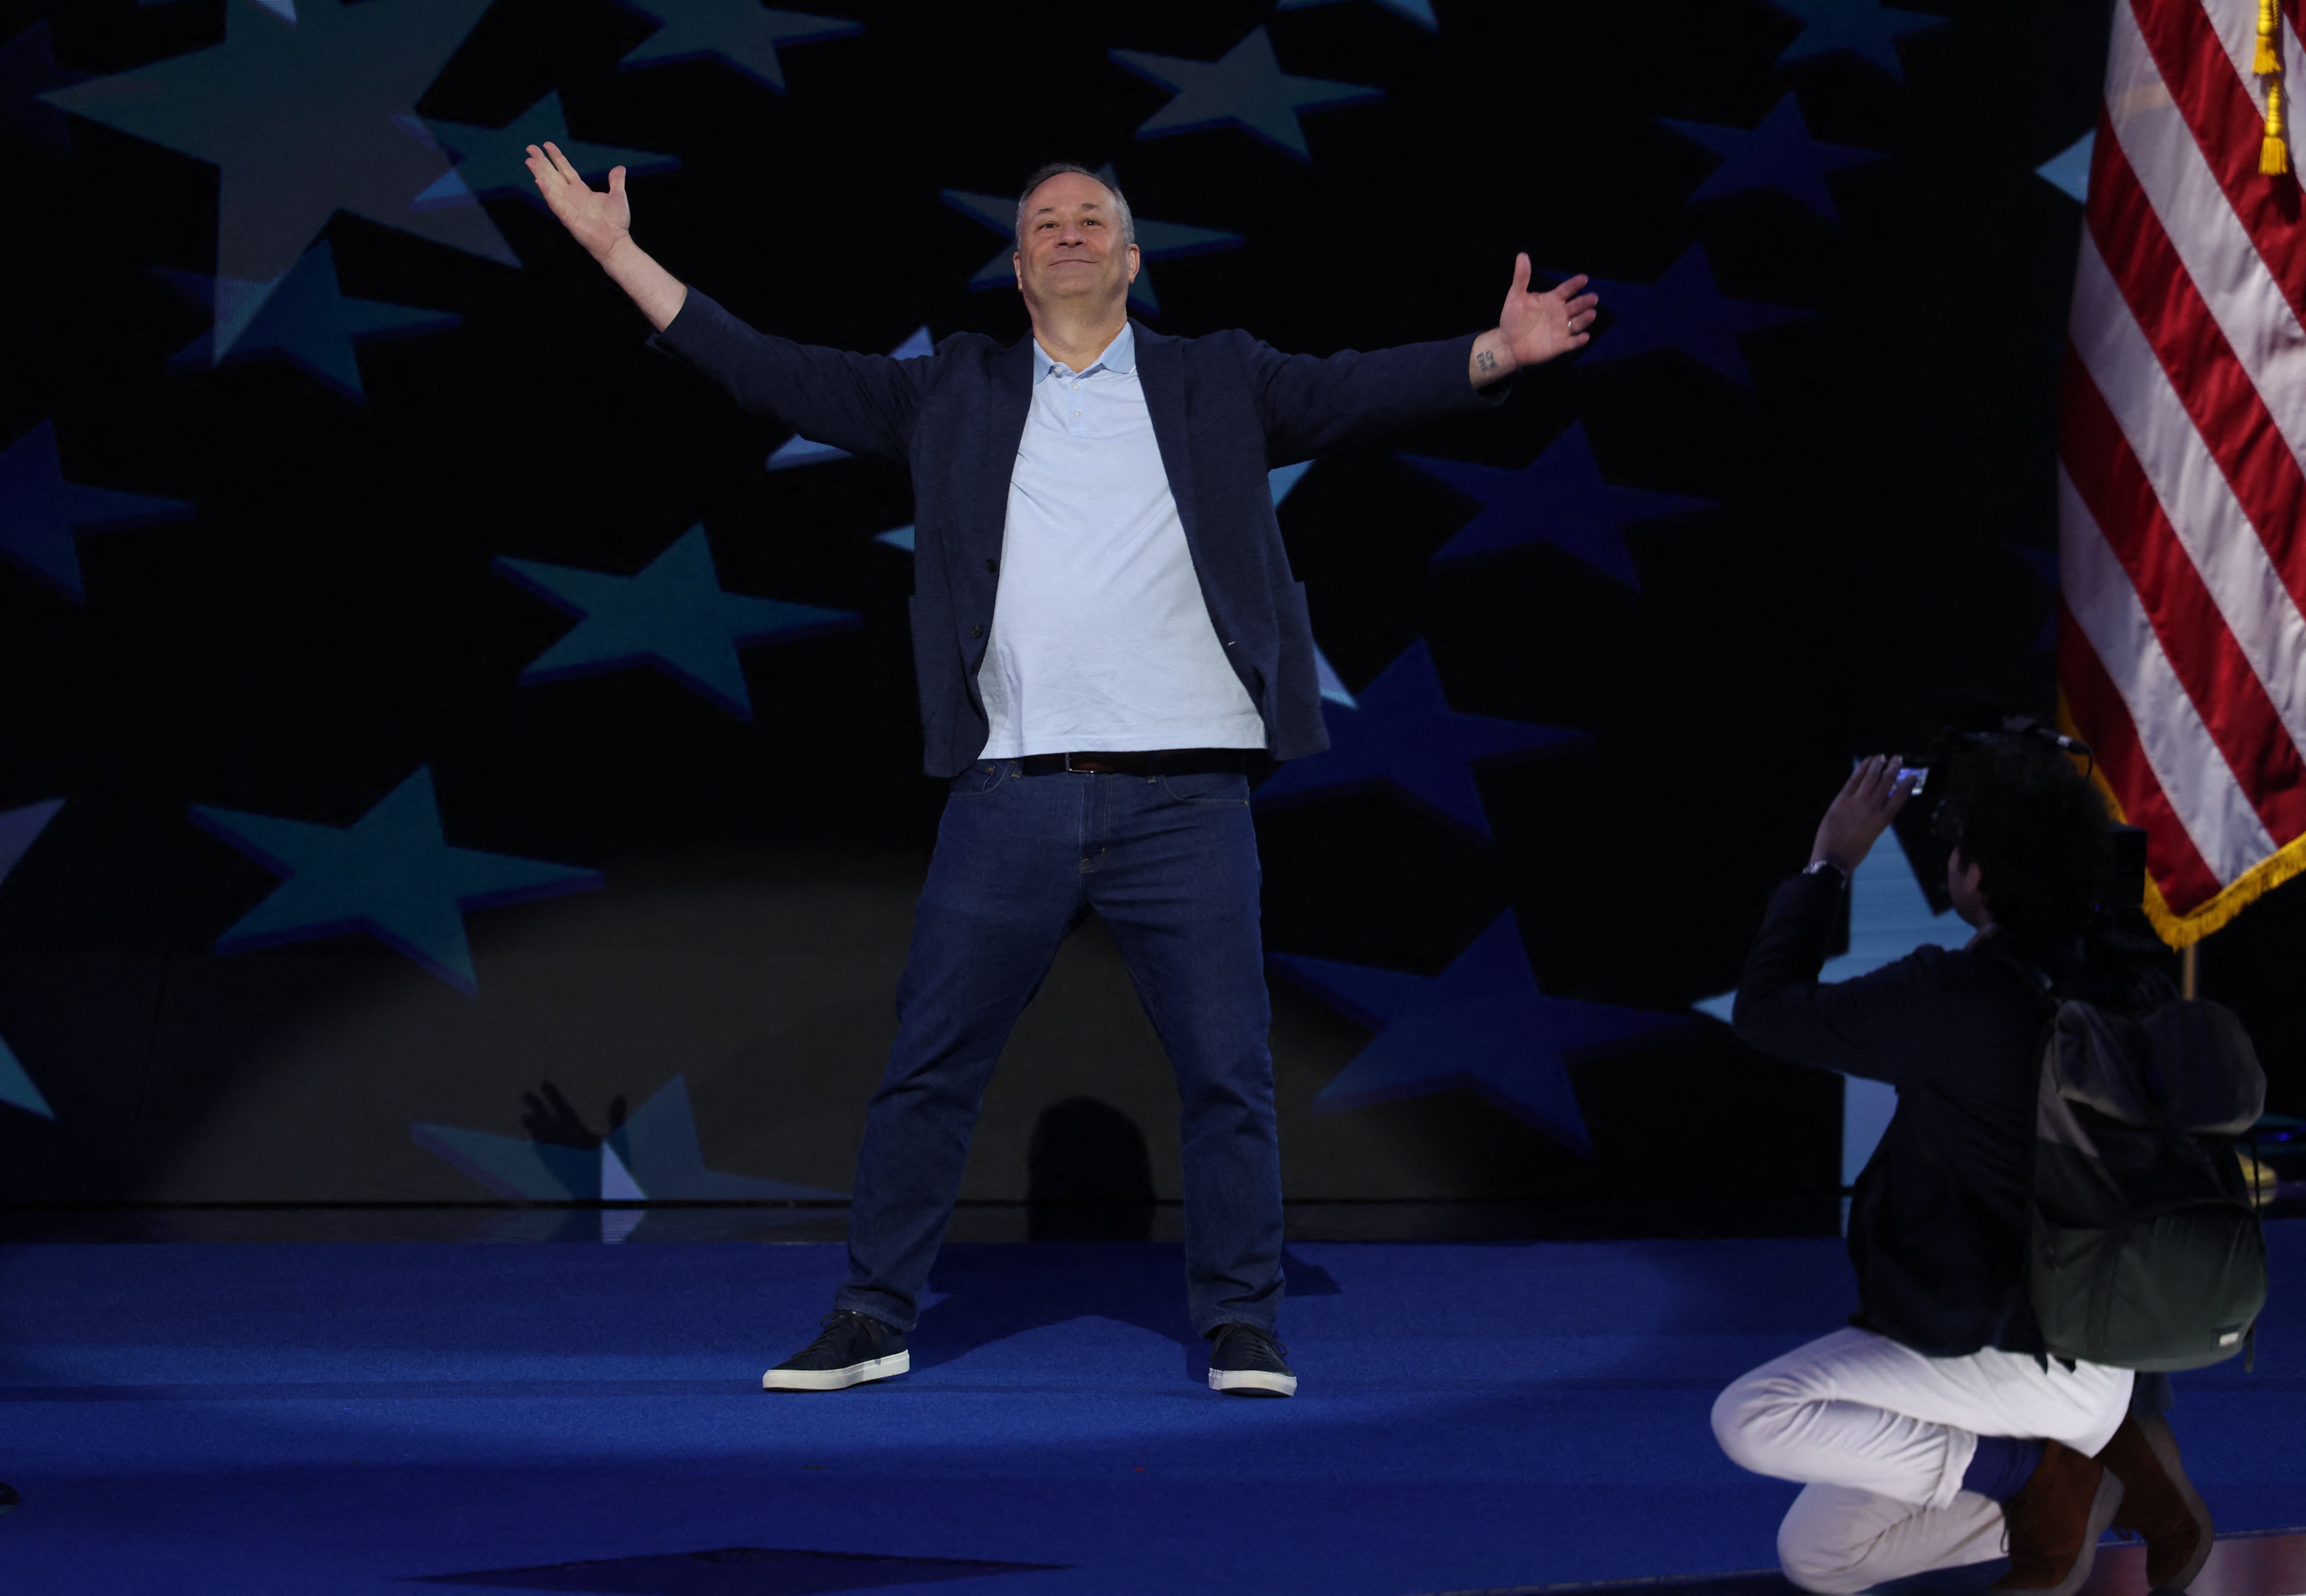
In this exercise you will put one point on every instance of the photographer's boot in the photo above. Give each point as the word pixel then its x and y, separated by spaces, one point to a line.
pixel 2054 1522
pixel 2159 1502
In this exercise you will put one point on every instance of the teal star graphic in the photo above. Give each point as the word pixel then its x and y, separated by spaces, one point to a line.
pixel 1155 241
pixel 302 317
pixel 1483 1022
pixel 303 119
pixel 672 615
pixel 1245 88
pixel 1864 28
pixel 1683 309
pixel 390 874
pixel 741 33
pixel 41 513
pixel 1420 12
pixel 493 162
pixel 20 828
pixel 1779 154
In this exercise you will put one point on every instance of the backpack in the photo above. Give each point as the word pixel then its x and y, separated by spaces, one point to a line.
pixel 2147 1249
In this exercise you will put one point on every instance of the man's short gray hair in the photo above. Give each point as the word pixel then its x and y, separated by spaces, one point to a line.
pixel 1057 168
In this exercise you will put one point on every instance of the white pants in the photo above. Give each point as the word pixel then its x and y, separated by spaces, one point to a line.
pixel 1882 1436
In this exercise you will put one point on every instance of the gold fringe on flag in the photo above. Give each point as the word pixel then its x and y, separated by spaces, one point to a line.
pixel 2273 154
pixel 2184 930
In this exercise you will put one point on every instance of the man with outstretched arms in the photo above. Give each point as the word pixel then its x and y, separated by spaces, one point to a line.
pixel 1104 626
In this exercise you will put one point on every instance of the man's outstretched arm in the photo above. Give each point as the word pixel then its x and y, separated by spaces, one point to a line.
pixel 603 223
pixel 863 403
pixel 1312 405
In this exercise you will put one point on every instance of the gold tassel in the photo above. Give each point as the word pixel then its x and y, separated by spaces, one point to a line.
pixel 2274 154
pixel 2270 31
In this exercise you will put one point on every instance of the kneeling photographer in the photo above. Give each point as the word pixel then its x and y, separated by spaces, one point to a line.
pixel 1934 1431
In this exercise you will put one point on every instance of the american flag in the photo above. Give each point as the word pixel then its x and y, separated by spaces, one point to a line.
pixel 2181 655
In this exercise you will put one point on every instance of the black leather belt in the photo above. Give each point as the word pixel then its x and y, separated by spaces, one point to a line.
pixel 1154 762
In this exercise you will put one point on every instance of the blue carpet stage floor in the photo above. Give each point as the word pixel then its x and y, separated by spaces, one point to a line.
pixel 351 1420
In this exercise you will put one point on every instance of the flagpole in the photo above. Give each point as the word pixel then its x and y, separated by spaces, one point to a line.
pixel 2190 971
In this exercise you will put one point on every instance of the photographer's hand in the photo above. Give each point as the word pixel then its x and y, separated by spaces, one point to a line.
pixel 1860 813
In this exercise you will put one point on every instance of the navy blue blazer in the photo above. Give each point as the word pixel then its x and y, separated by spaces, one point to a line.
pixel 1225 407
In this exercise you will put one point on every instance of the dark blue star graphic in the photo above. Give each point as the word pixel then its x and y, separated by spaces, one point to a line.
pixel 1683 309
pixel 40 512
pixel 1403 735
pixel 303 119
pixel 797 450
pixel 1245 88
pixel 302 317
pixel 28 69
pixel 1864 28
pixel 1155 241
pixel 1420 12
pixel 740 33
pixel 1559 499
pixel 493 161
pixel 672 615
pixel 1780 154
pixel 1483 1023
pixel 390 874
pixel 2044 564
pixel 20 828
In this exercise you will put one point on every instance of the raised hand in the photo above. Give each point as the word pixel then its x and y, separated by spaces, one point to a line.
pixel 594 219
pixel 1537 327
pixel 1862 811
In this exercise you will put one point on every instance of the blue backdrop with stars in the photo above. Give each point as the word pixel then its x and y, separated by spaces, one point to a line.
pixel 446 694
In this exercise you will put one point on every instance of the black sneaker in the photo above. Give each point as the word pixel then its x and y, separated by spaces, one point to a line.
pixel 853 1349
pixel 1246 1361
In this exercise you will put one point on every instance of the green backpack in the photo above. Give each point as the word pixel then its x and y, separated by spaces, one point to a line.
pixel 2147 1250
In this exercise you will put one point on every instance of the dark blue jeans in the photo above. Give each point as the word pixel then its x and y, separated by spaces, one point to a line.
pixel 1169 863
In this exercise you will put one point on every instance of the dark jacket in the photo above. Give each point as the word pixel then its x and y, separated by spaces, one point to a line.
pixel 1940 1217
pixel 1224 409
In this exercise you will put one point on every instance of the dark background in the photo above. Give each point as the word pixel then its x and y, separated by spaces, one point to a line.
pixel 328 619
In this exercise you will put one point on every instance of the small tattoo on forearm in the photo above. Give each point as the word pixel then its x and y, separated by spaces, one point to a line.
pixel 1486 361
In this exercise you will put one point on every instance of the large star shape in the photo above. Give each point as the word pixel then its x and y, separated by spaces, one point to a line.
pixel 390 874
pixel 1483 1023
pixel 741 33
pixel 41 513
pixel 654 1156
pixel 797 450
pixel 1779 154
pixel 28 69
pixel 303 119
pixel 1420 12
pixel 1155 241
pixel 1683 309
pixel 1559 499
pixel 672 615
pixel 1403 735
pixel 302 317
pixel 493 161
pixel 20 828
pixel 1864 28
pixel 1245 88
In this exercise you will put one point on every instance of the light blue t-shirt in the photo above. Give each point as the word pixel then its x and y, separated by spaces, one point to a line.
pixel 1100 636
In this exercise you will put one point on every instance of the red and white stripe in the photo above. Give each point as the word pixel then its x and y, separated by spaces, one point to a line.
pixel 2181 505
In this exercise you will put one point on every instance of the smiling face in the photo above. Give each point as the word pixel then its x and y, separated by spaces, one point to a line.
pixel 1071 253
